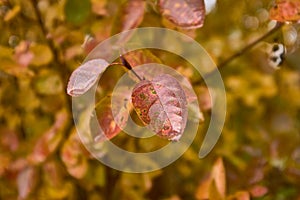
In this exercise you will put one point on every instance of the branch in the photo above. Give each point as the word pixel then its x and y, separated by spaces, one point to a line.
pixel 241 52
pixel 44 30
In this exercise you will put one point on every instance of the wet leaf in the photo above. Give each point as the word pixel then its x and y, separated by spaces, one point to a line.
pixel 85 76
pixel 187 14
pixel 162 104
pixel 285 11
pixel 77 11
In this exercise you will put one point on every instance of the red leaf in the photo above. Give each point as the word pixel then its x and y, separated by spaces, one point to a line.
pixel 162 104
pixel 133 14
pixel 130 17
pixel 85 76
pixel 258 191
pixel 109 128
pixel 188 14
pixel 285 10
pixel 141 56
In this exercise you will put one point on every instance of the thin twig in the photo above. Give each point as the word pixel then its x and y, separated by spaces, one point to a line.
pixel 241 52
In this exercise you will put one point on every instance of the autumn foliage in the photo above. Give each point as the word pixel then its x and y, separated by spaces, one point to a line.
pixel 43 45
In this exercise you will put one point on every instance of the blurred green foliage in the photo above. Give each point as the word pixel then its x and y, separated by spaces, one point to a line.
pixel 42 158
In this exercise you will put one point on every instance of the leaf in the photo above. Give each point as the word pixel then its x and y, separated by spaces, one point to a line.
pixel 218 175
pixel 77 11
pixel 214 192
pixel 73 156
pixel 131 16
pixel 162 104
pixel 49 142
pixel 258 191
pixel 285 11
pixel 187 14
pixel 205 101
pixel 140 57
pixel 5 160
pixel 42 54
pixel 12 13
pixel 202 191
pixel 240 195
pixel 26 182
pixel 98 7
pixel 214 187
pixel 109 128
pixel 48 83
pixel 85 76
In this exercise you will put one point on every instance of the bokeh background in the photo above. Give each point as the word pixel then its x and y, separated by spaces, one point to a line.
pixel 41 156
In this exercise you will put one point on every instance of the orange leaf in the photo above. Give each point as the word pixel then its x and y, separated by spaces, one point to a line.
pixel 240 195
pixel 285 10
pixel 214 187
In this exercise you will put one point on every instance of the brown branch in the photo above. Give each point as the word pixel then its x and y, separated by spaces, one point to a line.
pixel 44 31
pixel 241 52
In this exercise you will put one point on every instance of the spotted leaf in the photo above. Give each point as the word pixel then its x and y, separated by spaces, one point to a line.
pixel 187 14
pixel 161 103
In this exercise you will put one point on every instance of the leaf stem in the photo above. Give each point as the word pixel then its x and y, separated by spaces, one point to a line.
pixel 126 64
pixel 241 52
